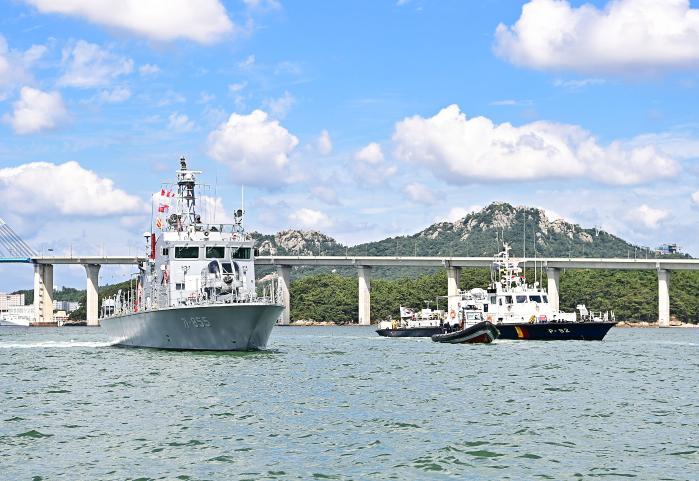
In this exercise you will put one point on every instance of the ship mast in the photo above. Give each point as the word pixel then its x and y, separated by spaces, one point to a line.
pixel 186 196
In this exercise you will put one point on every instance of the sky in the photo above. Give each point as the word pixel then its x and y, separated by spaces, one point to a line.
pixel 359 119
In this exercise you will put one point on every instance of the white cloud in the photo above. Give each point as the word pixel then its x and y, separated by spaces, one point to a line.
pixel 676 143
pixel 36 111
pixel 148 69
pixel 462 150
pixel 89 65
pixel 14 66
pixel 512 103
pixel 626 35
pixel 247 63
pixel 323 143
pixel 325 194
pixel 171 97
pixel 66 189
pixel 212 210
pixel 281 106
pixel 203 21
pixel 370 154
pixel 419 193
pixel 578 84
pixel 116 95
pixel 310 219
pixel 237 87
pixel 179 122
pixel 369 164
pixel 695 197
pixel 264 5
pixel 255 148
pixel 205 97
pixel 457 213
pixel 647 216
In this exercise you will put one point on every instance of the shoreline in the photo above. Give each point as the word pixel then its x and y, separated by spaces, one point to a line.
pixel 621 324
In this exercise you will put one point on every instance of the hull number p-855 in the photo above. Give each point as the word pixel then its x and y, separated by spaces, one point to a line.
pixel 196 321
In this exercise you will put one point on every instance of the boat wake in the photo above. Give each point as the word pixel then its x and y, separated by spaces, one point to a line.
pixel 57 344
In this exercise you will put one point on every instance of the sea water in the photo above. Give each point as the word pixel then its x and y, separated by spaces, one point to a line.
pixel 343 403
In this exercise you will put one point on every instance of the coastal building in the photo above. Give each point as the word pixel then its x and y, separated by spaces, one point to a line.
pixel 68 306
pixel 10 300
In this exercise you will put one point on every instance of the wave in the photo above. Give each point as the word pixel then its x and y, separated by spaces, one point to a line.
pixel 56 344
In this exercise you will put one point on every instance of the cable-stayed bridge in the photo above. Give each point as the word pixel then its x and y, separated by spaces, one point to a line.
pixel 12 247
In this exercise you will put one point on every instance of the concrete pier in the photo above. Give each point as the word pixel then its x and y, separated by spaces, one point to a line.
pixel 554 277
pixel 91 307
pixel 364 295
pixel 453 279
pixel 663 298
pixel 284 273
pixel 43 293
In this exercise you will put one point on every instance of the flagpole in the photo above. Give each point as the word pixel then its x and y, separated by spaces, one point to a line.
pixel 151 213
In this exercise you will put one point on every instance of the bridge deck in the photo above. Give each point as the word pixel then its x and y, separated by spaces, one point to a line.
pixel 374 261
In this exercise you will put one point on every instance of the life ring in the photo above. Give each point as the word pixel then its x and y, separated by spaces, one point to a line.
pixel 532 319
pixel 452 314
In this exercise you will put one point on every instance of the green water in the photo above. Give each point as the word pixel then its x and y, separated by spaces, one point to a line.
pixel 342 403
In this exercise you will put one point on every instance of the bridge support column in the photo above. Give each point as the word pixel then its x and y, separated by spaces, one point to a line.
pixel 364 295
pixel 43 293
pixel 91 307
pixel 284 273
pixel 663 298
pixel 453 279
pixel 554 277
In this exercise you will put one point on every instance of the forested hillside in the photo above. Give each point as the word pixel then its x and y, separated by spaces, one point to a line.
pixel 632 295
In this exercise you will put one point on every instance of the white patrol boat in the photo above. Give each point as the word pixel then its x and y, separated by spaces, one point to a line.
pixel 424 323
pixel 197 288
pixel 523 311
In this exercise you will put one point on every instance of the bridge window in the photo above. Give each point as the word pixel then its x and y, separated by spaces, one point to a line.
pixel 535 298
pixel 241 253
pixel 166 252
pixel 179 286
pixel 521 299
pixel 508 299
pixel 546 299
pixel 186 252
pixel 217 252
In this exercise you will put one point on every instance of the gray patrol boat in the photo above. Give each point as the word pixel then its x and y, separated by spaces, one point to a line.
pixel 197 289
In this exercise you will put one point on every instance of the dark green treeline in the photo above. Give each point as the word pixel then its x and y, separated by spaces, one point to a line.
pixel 632 295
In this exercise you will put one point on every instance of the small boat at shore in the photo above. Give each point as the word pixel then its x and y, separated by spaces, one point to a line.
pixel 424 323
pixel 483 332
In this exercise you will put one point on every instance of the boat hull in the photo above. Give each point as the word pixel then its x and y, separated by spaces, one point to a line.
pixel 556 331
pixel 410 332
pixel 13 322
pixel 481 333
pixel 227 327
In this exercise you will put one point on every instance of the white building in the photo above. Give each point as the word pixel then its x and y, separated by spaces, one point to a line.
pixel 10 300
pixel 67 306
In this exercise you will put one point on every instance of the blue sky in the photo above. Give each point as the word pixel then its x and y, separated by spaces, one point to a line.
pixel 361 119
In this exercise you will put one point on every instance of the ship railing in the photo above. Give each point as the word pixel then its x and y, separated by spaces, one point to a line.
pixel 129 301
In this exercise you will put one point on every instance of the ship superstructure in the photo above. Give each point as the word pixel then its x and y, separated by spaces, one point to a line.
pixel 197 288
